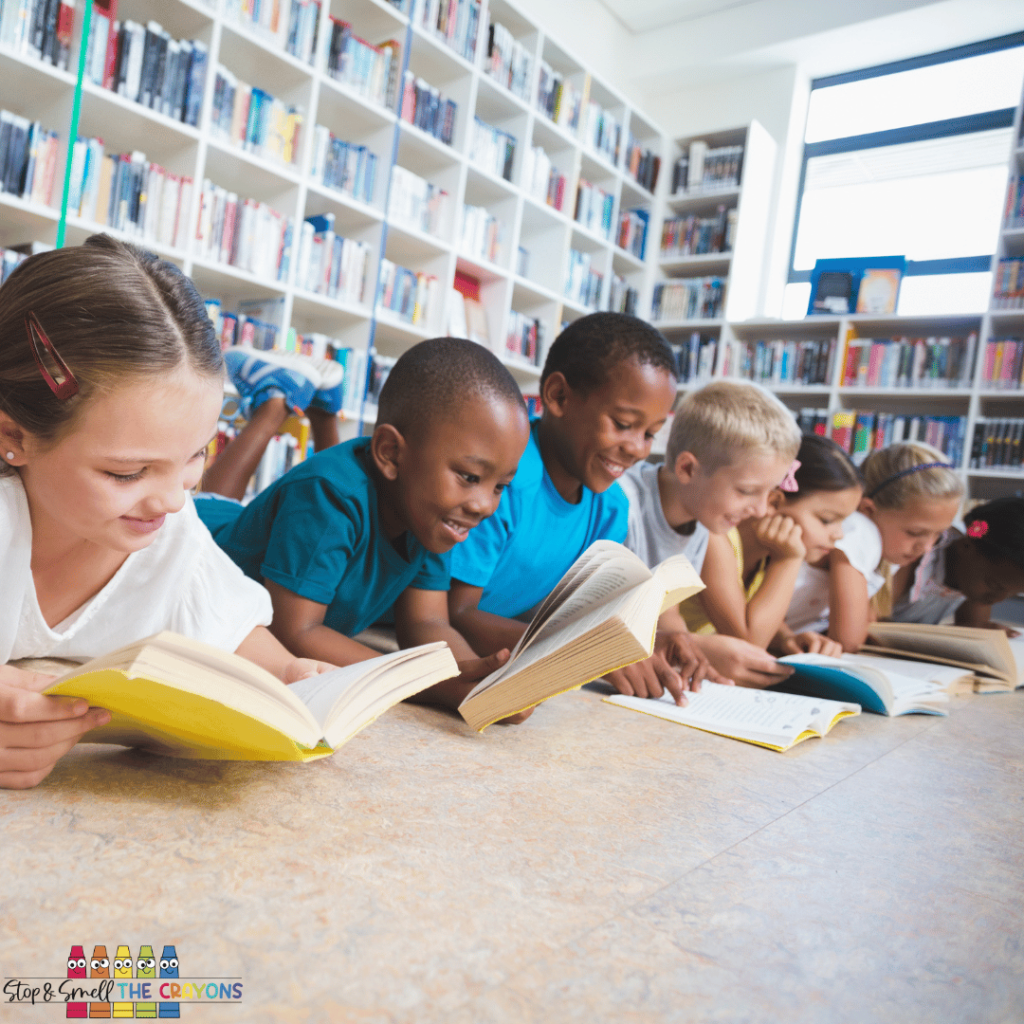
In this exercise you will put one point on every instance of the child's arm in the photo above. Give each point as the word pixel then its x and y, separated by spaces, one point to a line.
pixel 264 649
pixel 741 661
pixel 421 617
pixel 484 631
pixel 970 613
pixel 848 602
pixel 36 731
pixel 299 625
pixel 788 642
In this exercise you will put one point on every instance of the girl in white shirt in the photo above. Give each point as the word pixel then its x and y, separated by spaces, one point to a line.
pixel 110 389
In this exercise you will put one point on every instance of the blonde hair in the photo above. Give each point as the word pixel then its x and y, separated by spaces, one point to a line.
pixel 892 479
pixel 729 418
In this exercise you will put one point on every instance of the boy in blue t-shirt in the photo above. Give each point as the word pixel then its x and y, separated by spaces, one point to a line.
pixel 607 387
pixel 367 525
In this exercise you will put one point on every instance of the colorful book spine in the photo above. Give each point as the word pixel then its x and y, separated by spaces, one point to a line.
pixel 702 170
pixel 695 298
pixel 776 361
pixel 455 22
pixel 583 285
pixel 602 132
pixel 699 236
pixel 483 235
pixel 408 295
pixel 1003 366
pixel 559 98
pixel 622 297
pixel 427 108
pixel 910 362
pixel 632 235
pixel 492 149
pixel 998 444
pixel 861 432
pixel 417 203
pixel 524 338
pixel 345 166
pixel 695 358
pixel 541 179
pixel 508 61
pixel 250 118
pixel 642 164
pixel 369 70
pixel 594 207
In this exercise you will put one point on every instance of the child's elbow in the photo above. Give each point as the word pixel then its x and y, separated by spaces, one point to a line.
pixel 851 640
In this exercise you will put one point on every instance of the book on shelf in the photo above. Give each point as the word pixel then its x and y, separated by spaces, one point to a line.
pixel 632 236
pixel 417 203
pixel 602 615
pixel 778 361
pixel 691 298
pixel 344 166
pixel 859 433
pixel 477 328
pixel 702 169
pixel 482 235
pixel 28 158
pixel 559 98
pixel 250 118
pixel 492 149
pixel 910 362
pixel 1008 283
pixel 695 358
pixel 303 29
pixel 370 70
pixel 833 293
pixel 602 132
pixel 996 660
pixel 998 444
pixel 1003 366
pixel 582 284
pixel 594 208
pixel 541 179
pixel 765 718
pixel 9 261
pixel 507 60
pixel 455 22
pixel 622 296
pixel 642 164
pixel 184 698
pixel 427 108
pixel 409 295
pixel 329 264
pixel 812 421
pixel 39 28
pixel 524 338
pixel 879 290
pixel 877 684
pixel 699 236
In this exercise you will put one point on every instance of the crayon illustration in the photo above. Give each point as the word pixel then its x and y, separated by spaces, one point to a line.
pixel 169 969
pixel 145 968
pixel 76 969
pixel 99 967
pixel 122 972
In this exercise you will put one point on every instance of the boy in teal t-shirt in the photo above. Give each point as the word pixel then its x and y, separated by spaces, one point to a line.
pixel 368 524
pixel 607 387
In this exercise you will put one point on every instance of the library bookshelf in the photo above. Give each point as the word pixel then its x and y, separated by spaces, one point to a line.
pixel 536 248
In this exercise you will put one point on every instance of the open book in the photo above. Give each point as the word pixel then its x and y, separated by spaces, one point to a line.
pixel 874 683
pixel 184 698
pixel 602 615
pixel 765 717
pixel 996 661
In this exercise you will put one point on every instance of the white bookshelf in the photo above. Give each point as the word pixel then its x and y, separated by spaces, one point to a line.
pixel 40 92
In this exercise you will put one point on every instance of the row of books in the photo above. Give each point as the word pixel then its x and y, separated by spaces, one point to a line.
pixel 807 362
pixel 369 70
pixel 264 17
pixel 701 169
pixel 146 65
pixel 508 61
pixel 426 108
pixel 417 203
pixel 127 192
pixel 246 326
pixel 1008 286
pixel 411 296
pixel 9 260
pixel 379 370
pixel 541 178
pixel 558 98
pixel 482 235
pixel 455 22
pixel 242 115
pixel 695 358
pixel 303 29
pixel 622 297
pixel 699 236
pixel 859 433
pixel 492 149
pixel 582 284
pixel 642 165
pixel 524 338
pixel 1003 367
pixel 812 421
pixel 910 362
pixel 1013 215
pixel 997 443
pixel 244 233
pixel 632 236
pixel 39 28
pixel 594 208
pixel 329 264
pixel 689 298
pixel 344 166
pixel 28 158
pixel 602 132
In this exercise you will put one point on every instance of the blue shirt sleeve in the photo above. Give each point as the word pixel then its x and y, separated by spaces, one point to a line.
pixel 434 573
pixel 313 536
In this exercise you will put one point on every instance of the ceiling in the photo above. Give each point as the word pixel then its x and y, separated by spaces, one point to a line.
pixel 649 15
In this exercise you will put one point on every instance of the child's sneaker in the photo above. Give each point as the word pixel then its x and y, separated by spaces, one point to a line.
pixel 263 375
pixel 328 395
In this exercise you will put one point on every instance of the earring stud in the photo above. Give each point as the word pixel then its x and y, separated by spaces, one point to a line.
pixel 10 455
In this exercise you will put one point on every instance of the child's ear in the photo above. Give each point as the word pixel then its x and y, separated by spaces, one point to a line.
pixel 867 508
pixel 12 441
pixel 776 500
pixel 386 448
pixel 555 393
pixel 686 467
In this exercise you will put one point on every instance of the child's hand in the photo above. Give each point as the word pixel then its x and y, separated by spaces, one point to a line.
pixel 452 692
pixel 36 731
pixel 655 675
pixel 682 654
pixel 747 664
pixel 1008 630
pixel 810 643
pixel 303 668
pixel 782 536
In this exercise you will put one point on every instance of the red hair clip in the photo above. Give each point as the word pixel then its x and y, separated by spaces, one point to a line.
pixel 36 337
pixel 978 528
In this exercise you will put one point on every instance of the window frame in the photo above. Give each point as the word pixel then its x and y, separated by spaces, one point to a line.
pixel 983 121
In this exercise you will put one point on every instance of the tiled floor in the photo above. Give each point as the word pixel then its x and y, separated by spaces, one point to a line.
pixel 590 865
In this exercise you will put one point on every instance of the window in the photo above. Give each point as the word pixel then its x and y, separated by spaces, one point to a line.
pixel 910 159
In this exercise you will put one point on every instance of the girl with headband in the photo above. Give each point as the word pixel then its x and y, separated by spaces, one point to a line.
pixel 751 572
pixel 111 383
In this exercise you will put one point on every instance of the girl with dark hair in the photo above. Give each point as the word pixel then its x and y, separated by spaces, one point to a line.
pixel 111 383
pixel 752 572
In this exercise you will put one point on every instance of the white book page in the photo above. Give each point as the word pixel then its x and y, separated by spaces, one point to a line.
pixel 927 671
pixel 760 714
